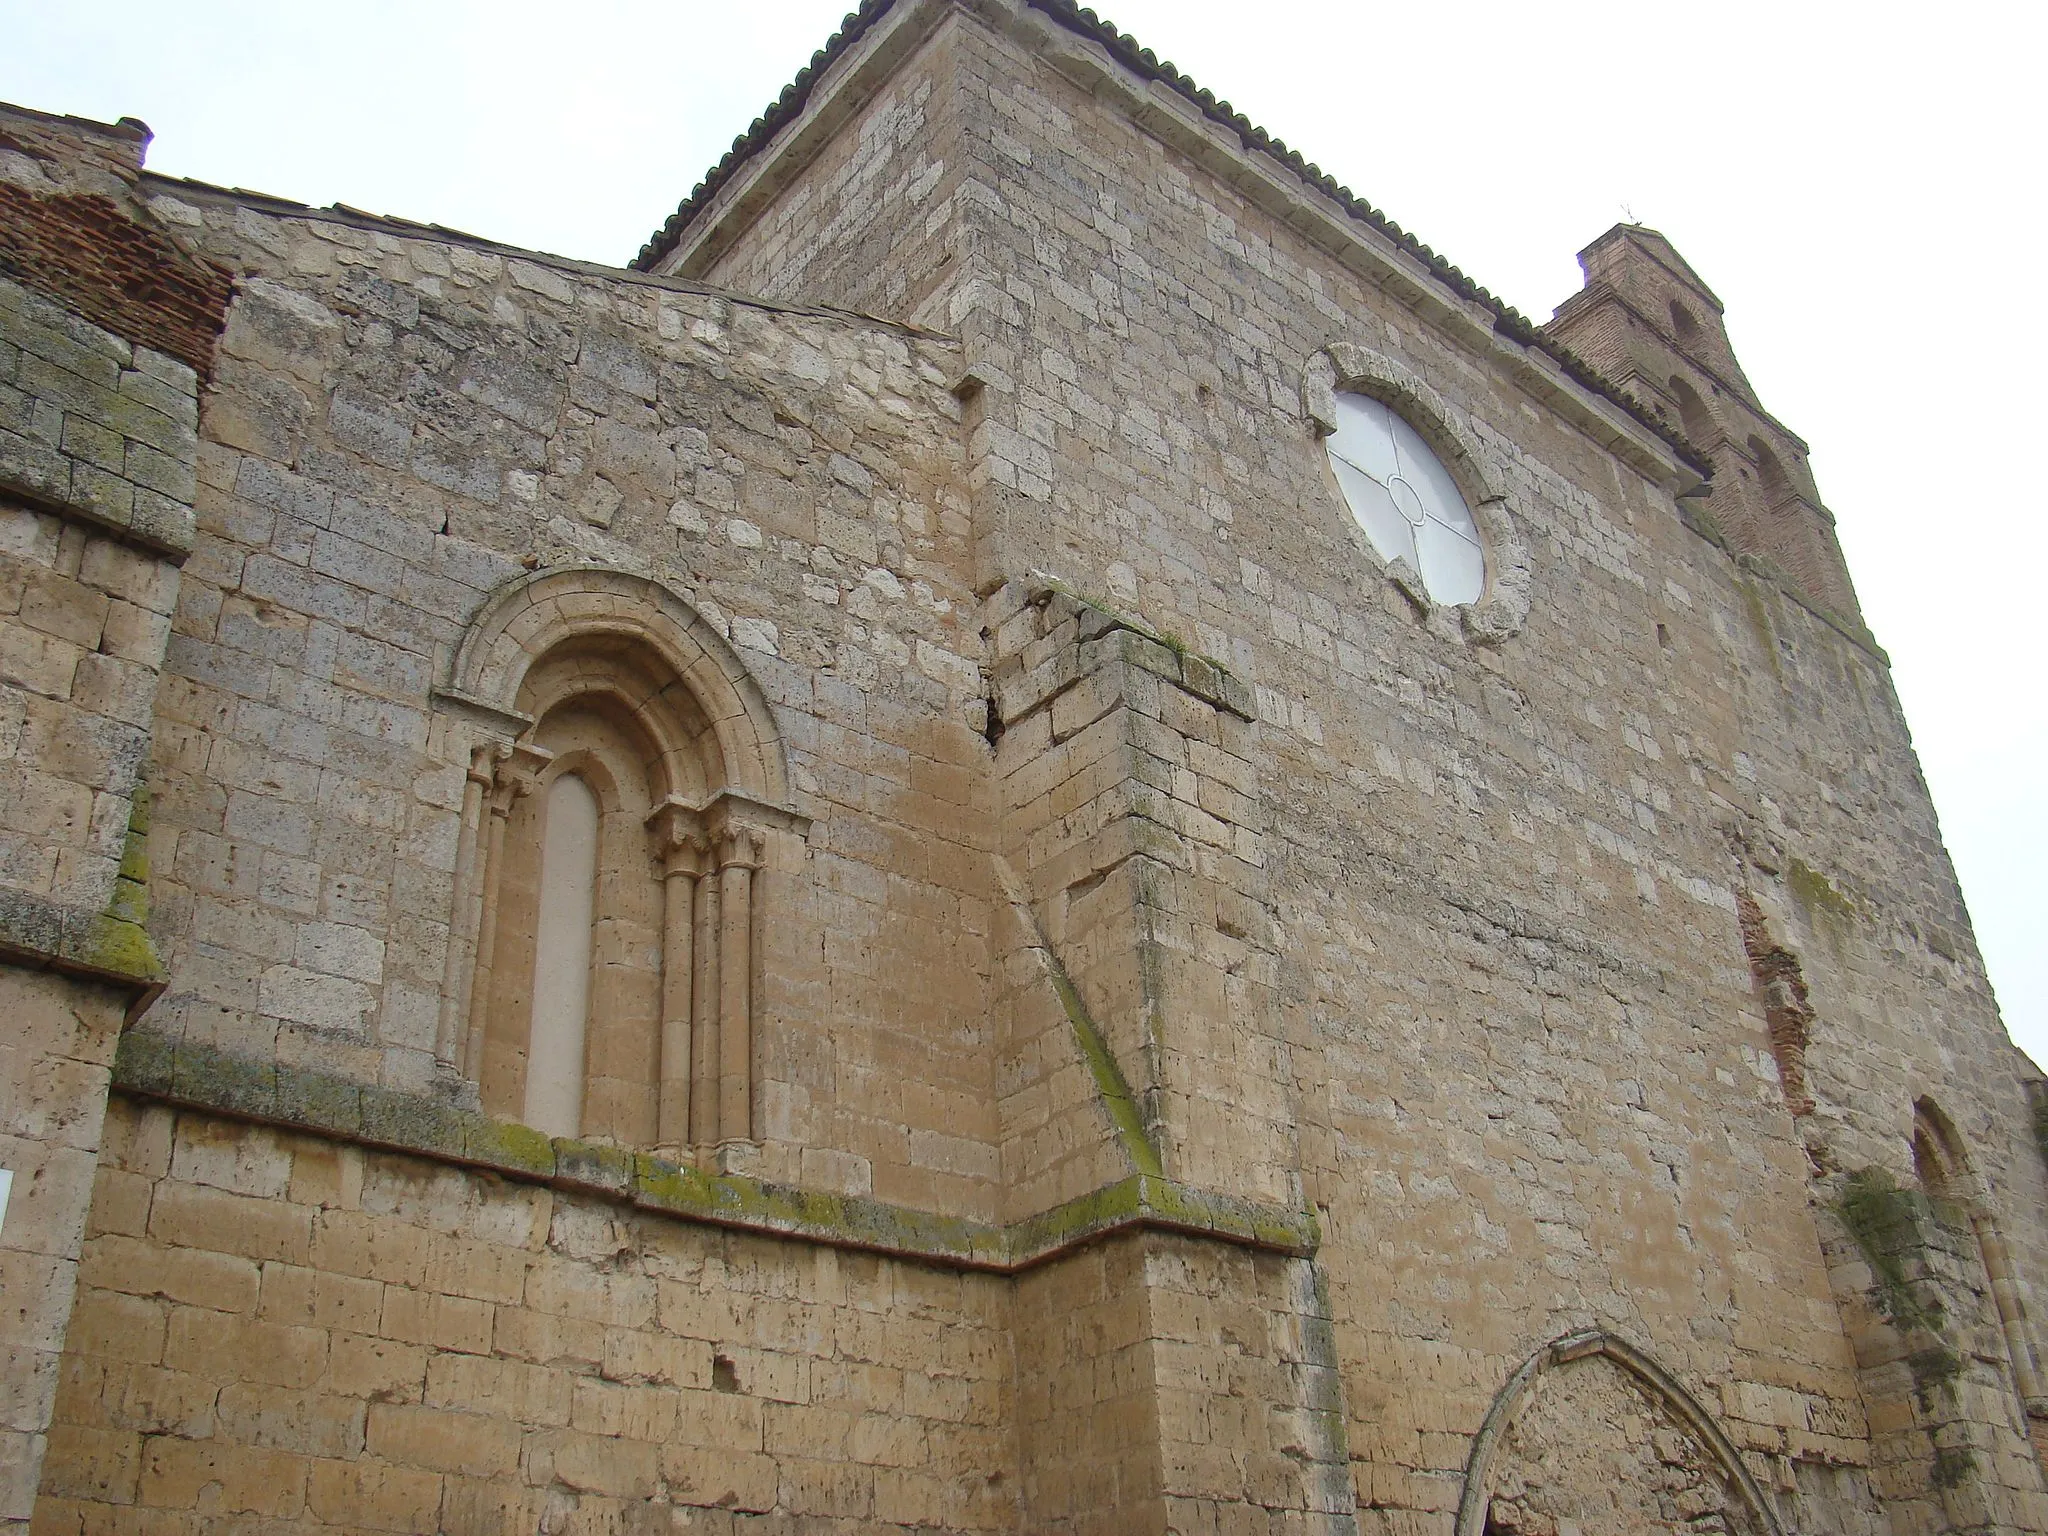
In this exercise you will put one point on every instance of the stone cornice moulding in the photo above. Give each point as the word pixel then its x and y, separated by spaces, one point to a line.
pixel 205 1078
pixel 1503 605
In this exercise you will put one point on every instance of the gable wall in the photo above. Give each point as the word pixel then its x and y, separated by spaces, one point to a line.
pixel 1529 1064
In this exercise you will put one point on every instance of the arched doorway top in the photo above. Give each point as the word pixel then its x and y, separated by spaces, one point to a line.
pixel 1648 1375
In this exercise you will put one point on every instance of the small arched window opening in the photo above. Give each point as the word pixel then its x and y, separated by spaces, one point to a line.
pixel 566 914
pixel 613 868
pixel 1776 484
pixel 1694 415
pixel 1683 325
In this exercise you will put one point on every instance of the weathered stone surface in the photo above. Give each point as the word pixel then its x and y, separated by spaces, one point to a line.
pixel 1095 1009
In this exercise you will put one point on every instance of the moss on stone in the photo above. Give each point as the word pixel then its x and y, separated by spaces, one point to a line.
pixel 1816 893
pixel 505 1145
pixel 411 1121
pixel 320 1102
pixel 208 1078
pixel 1111 1087
pixel 119 947
pixel 1886 1222
pixel 1760 618
pixel 237 1084
pixel 1059 1228
pixel 1953 1465
pixel 143 1061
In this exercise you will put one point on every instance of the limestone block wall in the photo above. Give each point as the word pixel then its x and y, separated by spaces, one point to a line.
pixel 403 426
pixel 297 1330
pixel 97 452
pixel 1537 1084
pixel 105 331
pixel 53 1085
pixel 1129 774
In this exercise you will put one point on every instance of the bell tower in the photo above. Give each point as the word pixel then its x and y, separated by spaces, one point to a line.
pixel 1647 322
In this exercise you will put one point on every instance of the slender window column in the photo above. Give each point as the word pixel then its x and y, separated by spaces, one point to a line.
pixel 468 909
pixel 739 857
pixel 704 1055
pixel 514 781
pixel 561 959
pixel 682 854
pixel 2012 1312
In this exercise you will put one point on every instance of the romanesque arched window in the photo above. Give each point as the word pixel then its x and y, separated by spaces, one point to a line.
pixel 615 865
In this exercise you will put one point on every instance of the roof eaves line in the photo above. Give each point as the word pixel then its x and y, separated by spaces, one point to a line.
pixel 129 130
pixel 1509 321
pixel 1128 52
pixel 1743 395
pixel 356 218
pixel 778 114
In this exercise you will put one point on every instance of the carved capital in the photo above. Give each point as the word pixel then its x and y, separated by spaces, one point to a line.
pixel 517 775
pixel 677 828
pixel 740 847
pixel 484 761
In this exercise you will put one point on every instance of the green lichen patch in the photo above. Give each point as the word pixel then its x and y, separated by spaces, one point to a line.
pixel 207 1078
pixel 1111 1087
pixel 1887 1224
pixel 1054 1231
pixel 1816 893
pixel 1251 1222
pixel 504 1145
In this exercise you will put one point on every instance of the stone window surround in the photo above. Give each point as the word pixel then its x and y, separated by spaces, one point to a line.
pixel 712 855
pixel 1503 605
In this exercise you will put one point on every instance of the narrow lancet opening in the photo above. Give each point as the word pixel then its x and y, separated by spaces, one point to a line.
pixel 561 959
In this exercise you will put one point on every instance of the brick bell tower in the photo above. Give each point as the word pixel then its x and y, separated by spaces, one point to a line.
pixel 1646 321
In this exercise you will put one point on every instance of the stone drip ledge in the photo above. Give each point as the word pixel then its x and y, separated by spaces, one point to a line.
pixel 111 945
pixel 1131 640
pixel 152 1066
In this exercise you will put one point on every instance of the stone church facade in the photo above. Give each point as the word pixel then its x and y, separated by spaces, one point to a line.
pixel 823 885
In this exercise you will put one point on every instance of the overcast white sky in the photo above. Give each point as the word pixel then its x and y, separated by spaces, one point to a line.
pixel 1861 184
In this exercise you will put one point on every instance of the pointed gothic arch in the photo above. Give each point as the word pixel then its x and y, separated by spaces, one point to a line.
pixel 1949 1177
pixel 1650 1378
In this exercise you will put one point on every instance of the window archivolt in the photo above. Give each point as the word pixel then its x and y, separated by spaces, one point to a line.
pixel 620 836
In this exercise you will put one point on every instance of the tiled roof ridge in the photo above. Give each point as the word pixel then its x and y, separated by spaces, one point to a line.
pixel 779 112
pixel 1127 50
